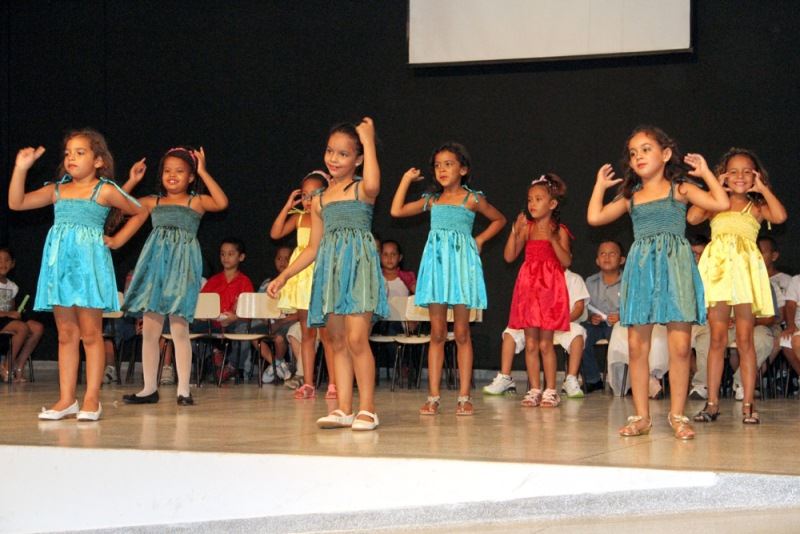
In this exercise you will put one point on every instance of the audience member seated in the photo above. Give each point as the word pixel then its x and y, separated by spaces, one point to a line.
pixel 25 333
pixel 279 328
pixel 603 307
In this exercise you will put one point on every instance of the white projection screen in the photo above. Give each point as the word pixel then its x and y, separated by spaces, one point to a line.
pixel 447 32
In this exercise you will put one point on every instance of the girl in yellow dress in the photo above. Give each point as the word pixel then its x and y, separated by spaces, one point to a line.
pixel 296 294
pixel 733 271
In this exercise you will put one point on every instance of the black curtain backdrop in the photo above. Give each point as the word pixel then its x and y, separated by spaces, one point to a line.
pixel 258 84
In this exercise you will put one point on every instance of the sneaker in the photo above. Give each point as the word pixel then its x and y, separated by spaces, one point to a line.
pixel 502 384
pixel 282 370
pixel 572 388
pixel 167 376
pixel 295 382
pixel 739 392
pixel 698 393
pixel 110 375
pixel 269 375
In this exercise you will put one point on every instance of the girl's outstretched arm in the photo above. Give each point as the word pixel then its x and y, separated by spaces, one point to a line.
pixel 284 223
pixel 399 206
pixel 306 257
pixel 516 238
pixel 597 214
pixel 773 211
pixel 496 221
pixel 135 176
pixel 18 199
pixel 371 184
pixel 215 200
pixel 131 226
pixel 715 199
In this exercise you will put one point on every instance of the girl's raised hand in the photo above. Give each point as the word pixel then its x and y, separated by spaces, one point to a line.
pixel 758 184
pixel 366 130
pixel 26 157
pixel 412 175
pixel 698 165
pixel 201 160
pixel 295 198
pixel 605 177
pixel 520 225
pixel 137 171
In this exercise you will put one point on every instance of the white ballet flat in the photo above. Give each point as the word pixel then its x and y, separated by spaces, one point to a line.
pixel 57 415
pixel 336 419
pixel 360 424
pixel 91 416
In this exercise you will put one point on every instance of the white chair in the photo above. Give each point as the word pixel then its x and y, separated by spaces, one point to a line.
pixel 252 306
pixel 412 313
pixel 206 309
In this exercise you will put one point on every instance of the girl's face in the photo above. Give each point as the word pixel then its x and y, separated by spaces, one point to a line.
pixel 740 174
pixel 390 256
pixel 308 188
pixel 80 160
pixel 282 259
pixel 176 176
pixel 646 157
pixel 540 203
pixel 341 157
pixel 448 169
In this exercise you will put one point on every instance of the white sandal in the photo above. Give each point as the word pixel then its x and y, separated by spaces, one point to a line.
pixel 336 419
pixel 360 424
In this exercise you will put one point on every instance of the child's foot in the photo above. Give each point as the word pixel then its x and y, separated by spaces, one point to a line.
pixel 305 391
pixel 331 393
pixel 654 388
pixel 19 376
pixel 572 388
pixel 636 426
pixel 681 426
pixel 268 376
pixel 501 385
pixel 550 399
pixel 282 370
pixel 110 376
pixel 168 376
pixel 336 419
pixel 4 372
pixel 365 421
pixel 464 406
pixel 431 406
pixel 533 398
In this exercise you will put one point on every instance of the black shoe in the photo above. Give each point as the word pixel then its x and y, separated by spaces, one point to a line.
pixel 594 386
pixel 185 401
pixel 135 399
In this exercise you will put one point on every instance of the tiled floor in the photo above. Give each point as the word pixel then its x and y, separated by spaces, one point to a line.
pixel 247 419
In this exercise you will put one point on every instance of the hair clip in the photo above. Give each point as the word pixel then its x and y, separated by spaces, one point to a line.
pixel 543 179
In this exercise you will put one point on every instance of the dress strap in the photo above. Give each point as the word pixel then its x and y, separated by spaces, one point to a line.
pixel 355 181
pixel 115 186
pixel 191 197
pixel 747 208
pixel 63 180
pixel 430 198
pixel 158 199
pixel 473 193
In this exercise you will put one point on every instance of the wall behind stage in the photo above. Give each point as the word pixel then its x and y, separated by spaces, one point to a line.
pixel 259 84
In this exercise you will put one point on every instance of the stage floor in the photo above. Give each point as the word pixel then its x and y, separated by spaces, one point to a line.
pixel 246 419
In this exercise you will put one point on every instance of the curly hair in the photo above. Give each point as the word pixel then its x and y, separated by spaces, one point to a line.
pixel 463 157
pixel 674 170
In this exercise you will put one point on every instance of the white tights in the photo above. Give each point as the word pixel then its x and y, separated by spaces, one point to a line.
pixel 152 326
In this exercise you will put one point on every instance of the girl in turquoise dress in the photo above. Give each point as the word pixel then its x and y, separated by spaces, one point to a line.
pixel 76 280
pixel 347 292
pixel 166 280
pixel 660 283
pixel 450 273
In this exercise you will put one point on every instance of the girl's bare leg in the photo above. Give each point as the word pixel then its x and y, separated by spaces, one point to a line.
pixel 718 319
pixel 548 358
pixel 337 336
pixel 464 352
pixel 90 324
pixel 532 365
pixel 679 339
pixel 745 346
pixel 362 362
pixel 438 316
pixel 330 362
pixel 307 345
pixel 69 338
pixel 639 367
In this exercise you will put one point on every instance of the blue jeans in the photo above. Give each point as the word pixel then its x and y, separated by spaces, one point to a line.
pixel 594 333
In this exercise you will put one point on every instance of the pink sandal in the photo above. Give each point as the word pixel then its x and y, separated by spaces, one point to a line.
pixel 305 392
pixel 331 393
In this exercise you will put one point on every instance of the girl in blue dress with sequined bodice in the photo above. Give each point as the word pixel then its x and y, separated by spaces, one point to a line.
pixel 660 283
pixel 347 291
pixel 76 280
pixel 450 273
pixel 166 280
